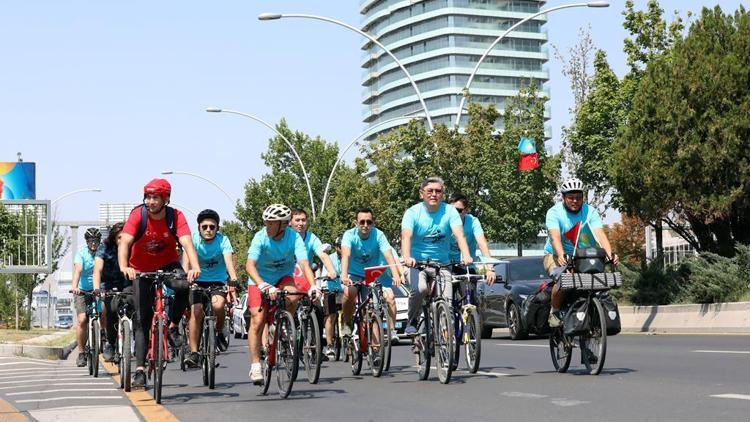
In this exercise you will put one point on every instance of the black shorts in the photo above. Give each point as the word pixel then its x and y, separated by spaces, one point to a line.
pixel 330 304
pixel 196 297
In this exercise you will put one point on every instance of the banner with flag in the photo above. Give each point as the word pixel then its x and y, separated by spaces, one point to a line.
pixel 373 273
pixel 299 279
pixel 581 236
pixel 528 159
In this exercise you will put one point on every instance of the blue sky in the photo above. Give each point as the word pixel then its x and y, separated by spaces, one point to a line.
pixel 108 94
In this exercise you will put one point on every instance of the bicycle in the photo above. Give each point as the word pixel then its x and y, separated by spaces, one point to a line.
pixel 208 346
pixel 584 306
pixel 125 342
pixel 336 326
pixel 466 321
pixel 368 335
pixel 93 339
pixel 434 340
pixel 279 351
pixel 309 347
pixel 158 348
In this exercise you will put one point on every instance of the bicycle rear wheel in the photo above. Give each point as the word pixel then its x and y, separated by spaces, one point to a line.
pixel 287 361
pixel 387 341
pixel 125 342
pixel 559 349
pixel 375 343
pixel 337 339
pixel 353 352
pixel 472 339
pixel 422 344
pixel 183 349
pixel 268 359
pixel 95 347
pixel 444 336
pixel 594 342
pixel 159 348
pixel 210 360
pixel 312 351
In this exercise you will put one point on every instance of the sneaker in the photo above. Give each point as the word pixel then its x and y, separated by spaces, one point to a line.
pixel 394 338
pixel 175 339
pixel 108 353
pixel 221 341
pixel 410 330
pixel 81 360
pixel 330 353
pixel 256 375
pixel 193 360
pixel 554 319
pixel 346 330
pixel 139 379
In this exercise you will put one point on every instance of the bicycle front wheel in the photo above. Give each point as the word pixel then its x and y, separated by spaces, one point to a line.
pixel 312 350
pixel 210 360
pixel 125 341
pixel 337 338
pixel 287 360
pixel 95 347
pixel 594 342
pixel 444 336
pixel 560 349
pixel 183 349
pixel 375 343
pixel 159 348
pixel 422 346
pixel 472 339
pixel 387 341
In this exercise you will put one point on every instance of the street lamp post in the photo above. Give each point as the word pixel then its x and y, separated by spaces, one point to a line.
pixel 341 155
pixel 498 39
pixel 73 192
pixel 276 16
pixel 229 197
pixel 289 144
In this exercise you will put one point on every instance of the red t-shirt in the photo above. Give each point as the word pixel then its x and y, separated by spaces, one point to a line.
pixel 157 247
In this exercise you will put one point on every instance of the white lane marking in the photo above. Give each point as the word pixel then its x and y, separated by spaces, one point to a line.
pixel 567 402
pixel 21 359
pixel 42 381
pixel 70 398
pixel 493 374
pixel 59 390
pixel 523 395
pixel 45 370
pixel 28 363
pixel 47 376
pixel 732 396
pixel 730 352
pixel 57 384
pixel 522 345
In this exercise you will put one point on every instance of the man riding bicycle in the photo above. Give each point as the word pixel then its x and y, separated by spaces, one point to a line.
pixel 313 245
pixel 425 235
pixel 214 252
pixel 571 224
pixel 330 306
pixel 149 243
pixel 271 259
pixel 83 280
pixel 474 237
pixel 107 277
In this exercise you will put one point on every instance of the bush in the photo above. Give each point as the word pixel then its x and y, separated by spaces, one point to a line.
pixel 653 285
pixel 714 278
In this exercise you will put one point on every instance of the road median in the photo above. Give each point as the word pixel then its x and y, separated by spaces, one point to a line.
pixel 713 318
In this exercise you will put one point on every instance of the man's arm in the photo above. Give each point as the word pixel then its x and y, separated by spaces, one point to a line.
pixel 458 234
pixel 229 262
pixel 554 235
pixel 394 267
pixel 345 254
pixel 482 243
pixel 187 246
pixel 123 255
pixel 98 267
pixel 77 269
pixel 252 271
pixel 328 264
pixel 406 248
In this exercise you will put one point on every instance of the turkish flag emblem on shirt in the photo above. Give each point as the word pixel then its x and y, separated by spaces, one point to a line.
pixel 372 273
pixel 572 234
pixel 299 279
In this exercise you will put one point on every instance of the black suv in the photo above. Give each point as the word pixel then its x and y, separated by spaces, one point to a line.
pixel 500 304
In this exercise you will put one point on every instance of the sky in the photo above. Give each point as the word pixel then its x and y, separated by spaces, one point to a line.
pixel 109 94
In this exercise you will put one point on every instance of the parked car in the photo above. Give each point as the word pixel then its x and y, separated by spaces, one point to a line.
pixel 64 321
pixel 401 295
pixel 239 324
pixel 500 304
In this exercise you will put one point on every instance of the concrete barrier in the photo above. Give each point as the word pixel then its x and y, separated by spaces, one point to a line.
pixel 715 318
pixel 37 352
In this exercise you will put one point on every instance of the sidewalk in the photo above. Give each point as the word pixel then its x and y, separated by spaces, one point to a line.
pixel 37 348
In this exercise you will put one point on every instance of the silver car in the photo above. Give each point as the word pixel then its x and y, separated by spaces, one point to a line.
pixel 239 326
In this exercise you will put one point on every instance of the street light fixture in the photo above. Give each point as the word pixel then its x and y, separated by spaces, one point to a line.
pixel 65 195
pixel 289 144
pixel 341 155
pixel 229 197
pixel 465 91
pixel 277 16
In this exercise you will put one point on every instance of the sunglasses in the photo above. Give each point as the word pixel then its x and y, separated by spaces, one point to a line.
pixel 433 191
pixel 208 227
pixel 366 222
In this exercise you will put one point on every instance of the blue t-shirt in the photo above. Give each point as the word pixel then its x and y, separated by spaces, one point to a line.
pixel 387 278
pixel 313 246
pixel 211 257
pixel 472 229
pixel 276 258
pixel 334 285
pixel 85 259
pixel 558 217
pixel 364 252
pixel 431 232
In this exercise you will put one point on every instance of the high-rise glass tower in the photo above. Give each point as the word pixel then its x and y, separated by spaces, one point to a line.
pixel 439 42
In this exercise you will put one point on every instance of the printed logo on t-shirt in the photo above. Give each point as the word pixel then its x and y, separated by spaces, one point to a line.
pixel 434 236
pixel 211 263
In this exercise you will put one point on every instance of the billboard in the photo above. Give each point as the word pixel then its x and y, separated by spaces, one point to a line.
pixel 17 180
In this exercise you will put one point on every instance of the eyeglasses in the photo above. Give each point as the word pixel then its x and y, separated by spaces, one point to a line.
pixel 460 210
pixel 208 227
pixel 366 222
pixel 433 191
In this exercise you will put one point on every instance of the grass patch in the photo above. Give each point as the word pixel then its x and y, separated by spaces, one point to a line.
pixel 17 336
pixel 61 341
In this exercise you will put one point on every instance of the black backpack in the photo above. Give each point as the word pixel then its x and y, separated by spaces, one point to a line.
pixel 171 223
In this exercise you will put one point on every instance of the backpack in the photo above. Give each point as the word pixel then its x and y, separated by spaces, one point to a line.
pixel 171 223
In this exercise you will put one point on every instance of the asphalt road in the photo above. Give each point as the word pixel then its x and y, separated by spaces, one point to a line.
pixel 686 378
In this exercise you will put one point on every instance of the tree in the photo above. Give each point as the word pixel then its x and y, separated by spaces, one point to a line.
pixel 683 153
pixel 628 239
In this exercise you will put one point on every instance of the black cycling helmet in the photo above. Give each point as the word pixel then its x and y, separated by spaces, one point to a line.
pixel 337 241
pixel 208 214
pixel 92 233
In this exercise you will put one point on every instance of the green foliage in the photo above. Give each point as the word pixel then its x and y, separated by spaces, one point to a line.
pixel 715 278
pixel 654 285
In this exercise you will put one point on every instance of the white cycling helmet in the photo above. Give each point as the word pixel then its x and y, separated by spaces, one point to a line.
pixel 571 185
pixel 277 212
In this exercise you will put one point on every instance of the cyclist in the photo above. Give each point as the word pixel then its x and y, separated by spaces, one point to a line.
pixel 83 280
pixel 149 243
pixel 313 245
pixel 571 224
pixel 107 276
pixel 474 237
pixel 215 258
pixel 425 235
pixel 332 305
pixel 390 298
pixel 271 259
pixel 362 246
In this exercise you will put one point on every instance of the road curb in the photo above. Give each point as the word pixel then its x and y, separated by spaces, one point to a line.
pixel 142 400
pixel 36 352
pixel 714 318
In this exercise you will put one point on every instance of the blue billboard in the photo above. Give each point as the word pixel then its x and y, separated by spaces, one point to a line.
pixel 17 180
